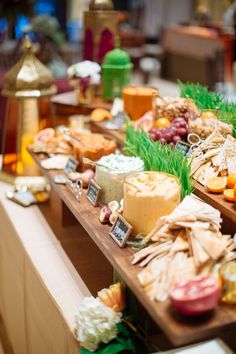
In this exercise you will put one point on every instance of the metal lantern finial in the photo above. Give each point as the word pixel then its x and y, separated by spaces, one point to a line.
pixel 101 5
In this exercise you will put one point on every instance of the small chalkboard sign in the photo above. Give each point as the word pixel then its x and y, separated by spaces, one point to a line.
pixel 93 192
pixel 121 231
pixel 183 147
pixel 71 165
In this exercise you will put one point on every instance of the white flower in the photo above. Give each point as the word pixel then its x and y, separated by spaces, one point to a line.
pixel 95 79
pixel 95 323
pixel 84 69
pixel 71 71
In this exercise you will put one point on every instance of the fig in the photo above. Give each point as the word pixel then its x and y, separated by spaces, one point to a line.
pixel 105 214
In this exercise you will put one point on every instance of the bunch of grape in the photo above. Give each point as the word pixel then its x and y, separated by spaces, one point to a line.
pixel 176 131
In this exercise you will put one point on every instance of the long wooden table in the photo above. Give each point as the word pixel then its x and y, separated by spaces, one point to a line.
pixel 180 330
pixel 227 209
pixel 66 104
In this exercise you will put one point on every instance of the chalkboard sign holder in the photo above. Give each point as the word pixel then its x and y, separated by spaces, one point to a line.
pixel 121 230
pixel 70 166
pixel 93 192
pixel 183 147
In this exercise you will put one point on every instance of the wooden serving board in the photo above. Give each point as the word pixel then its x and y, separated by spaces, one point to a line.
pixel 180 330
pixel 227 209
pixel 217 201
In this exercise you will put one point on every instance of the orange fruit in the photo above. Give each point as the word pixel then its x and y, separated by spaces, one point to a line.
pixel 162 122
pixel 231 180
pixel 229 195
pixel 216 184
pixel 208 115
pixel 100 114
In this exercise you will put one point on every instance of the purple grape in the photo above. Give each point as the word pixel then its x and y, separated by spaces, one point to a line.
pixel 177 125
pixel 168 136
pixel 173 130
pixel 179 120
pixel 182 131
pixel 158 134
pixel 176 139
pixel 161 130
pixel 187 116
pixel 183 124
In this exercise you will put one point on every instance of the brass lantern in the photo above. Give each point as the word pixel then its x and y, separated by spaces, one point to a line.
pixel 25 85
pixel 100 29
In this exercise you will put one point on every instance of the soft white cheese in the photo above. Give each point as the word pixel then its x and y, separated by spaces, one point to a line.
pixel 121 164
pixel 111 179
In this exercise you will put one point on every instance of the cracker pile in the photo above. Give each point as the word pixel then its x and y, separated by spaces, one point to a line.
pixel 186 243
pixel 215 156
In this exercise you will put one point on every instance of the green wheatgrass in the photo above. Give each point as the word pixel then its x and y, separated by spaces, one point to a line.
pixel 159 157
pixel 205 99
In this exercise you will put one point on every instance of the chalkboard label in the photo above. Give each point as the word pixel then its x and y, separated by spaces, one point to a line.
pixel 93 192
pixel 183 147
pixel 121 231
pixel 71 165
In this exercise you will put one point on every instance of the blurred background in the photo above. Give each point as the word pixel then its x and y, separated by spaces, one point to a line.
pixel 165 38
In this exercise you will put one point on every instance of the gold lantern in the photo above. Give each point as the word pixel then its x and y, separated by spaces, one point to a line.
pixel 25 86
pixel 100 29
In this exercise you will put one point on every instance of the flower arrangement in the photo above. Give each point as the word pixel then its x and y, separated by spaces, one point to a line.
pixel 100 325
pixel 96 323
pixel 85 76
pixel 86 69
